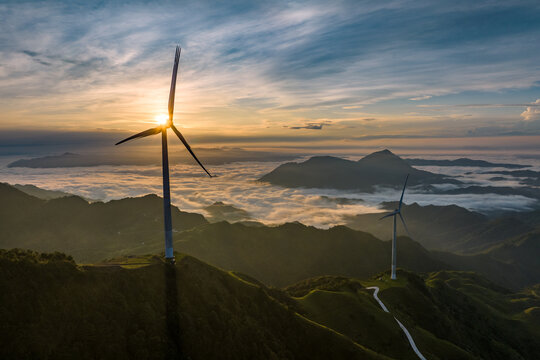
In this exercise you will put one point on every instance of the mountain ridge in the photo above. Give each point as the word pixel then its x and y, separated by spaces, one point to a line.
pixel 197 311
pixel 382 168
pixel 156 311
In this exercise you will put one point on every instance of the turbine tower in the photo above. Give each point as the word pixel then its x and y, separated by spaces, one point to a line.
pixel 165 158
pixel 394 214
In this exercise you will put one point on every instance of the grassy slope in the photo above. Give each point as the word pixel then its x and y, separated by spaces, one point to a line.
pixel 288 253
pixel 345 305
pixel 435 227
pixel 276 255
pixel 468 311
pixel 89 232
pixel 449 228
pixel 50 308
pixel 282 255
pixel 451 315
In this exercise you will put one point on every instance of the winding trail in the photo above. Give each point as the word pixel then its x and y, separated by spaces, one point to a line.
pixel 409 337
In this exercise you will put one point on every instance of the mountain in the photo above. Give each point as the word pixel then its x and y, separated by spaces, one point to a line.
pixel 53 309
pixel 492 233
pixel 530 192
pixel 219 211
pixel 64 160
pixel 381 168
pixel 277 255
pixel 210 156
pixel 449 227
pixel 522 251
pixel 450 315
pixel 291 252
pixel 526 177
pixel 41 193
pixel 433 226
pixel 285 254
pixel 88 231
pixel 464 162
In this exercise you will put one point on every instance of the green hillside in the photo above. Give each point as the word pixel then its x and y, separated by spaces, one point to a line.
pixel 449 228
pixel 344 305
pixel 88 231
pixel 288 253
pixel 52 309
pixel 451 315
pixel 41 193
pixel 285 254
pixel 523 252
pixel 278 255
pixel 470 312
pixel 219 211
pixel 435 227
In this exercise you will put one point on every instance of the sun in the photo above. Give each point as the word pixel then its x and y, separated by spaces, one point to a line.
pixel 161 119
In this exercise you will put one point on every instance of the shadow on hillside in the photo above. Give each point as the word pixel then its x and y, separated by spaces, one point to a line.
pixel 174 350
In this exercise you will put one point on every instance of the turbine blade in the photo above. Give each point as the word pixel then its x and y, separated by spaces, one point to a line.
pixel 388 215
pixel 405 225
pixel 145 133
pixel 183 140
pixel 403 192
pixel 173 82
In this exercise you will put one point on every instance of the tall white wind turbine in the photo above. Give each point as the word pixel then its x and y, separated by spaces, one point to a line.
pixel 162 129
pixel 395 213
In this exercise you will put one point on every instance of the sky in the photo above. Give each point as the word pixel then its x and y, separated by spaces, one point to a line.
pixel 286 75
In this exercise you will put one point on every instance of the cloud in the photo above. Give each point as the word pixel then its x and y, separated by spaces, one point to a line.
pixel 35 56
pixel 85 65
pixel 311 126
pixel 534 104
pixel 235 185
pixel 533 112
pixel 419 98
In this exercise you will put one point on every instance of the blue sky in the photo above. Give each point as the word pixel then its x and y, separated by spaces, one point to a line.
pixel 327 71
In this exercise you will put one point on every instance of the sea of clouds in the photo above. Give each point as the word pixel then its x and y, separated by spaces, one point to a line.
pixel 236 184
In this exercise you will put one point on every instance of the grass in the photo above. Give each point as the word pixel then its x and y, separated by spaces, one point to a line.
pixel 52 308
pixel 451 315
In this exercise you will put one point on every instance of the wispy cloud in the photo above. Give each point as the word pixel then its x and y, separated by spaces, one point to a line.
pixel 419 98
pixel 254 66
pixel 533 104
pixel 311 125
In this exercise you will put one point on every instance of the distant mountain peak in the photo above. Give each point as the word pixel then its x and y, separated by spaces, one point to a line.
pixel 381 154
pixel 387 159
pixel 381 168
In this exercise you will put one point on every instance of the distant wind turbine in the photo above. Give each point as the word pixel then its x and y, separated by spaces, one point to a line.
pixel 394 214
pixel 165 158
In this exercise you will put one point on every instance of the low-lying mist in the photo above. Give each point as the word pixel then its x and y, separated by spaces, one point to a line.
pixel 236 185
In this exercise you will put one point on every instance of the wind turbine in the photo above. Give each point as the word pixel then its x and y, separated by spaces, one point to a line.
pixel 394 214
pixel 165 158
